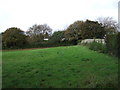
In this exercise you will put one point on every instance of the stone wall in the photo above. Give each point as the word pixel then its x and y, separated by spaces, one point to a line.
pixel 91 40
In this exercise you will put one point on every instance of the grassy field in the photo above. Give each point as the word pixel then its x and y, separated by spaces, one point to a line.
pixel 61 67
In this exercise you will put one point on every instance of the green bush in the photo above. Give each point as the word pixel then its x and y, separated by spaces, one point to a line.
pixel 97 47
pixel 79 42
pixel 112 44
pixel 48 43
pixel 118 44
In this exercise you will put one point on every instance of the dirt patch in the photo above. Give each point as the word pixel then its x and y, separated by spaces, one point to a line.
pixel 26 49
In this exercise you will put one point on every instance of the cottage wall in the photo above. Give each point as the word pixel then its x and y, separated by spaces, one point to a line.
pixel 92 40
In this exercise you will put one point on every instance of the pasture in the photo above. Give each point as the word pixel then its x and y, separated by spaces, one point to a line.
pixel 60 67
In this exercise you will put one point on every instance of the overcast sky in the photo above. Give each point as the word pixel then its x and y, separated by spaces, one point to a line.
pixel 58 14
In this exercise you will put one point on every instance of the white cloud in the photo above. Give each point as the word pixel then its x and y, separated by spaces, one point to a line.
pixel 56 13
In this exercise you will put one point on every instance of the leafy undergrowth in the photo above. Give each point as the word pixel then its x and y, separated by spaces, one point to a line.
pixel 61 67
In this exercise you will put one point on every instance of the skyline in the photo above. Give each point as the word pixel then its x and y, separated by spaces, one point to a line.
pixel 58 14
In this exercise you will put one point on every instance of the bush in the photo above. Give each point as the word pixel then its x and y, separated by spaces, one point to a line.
pixel 112 44
pixel 79 42
pixel 97 47
pixel 48 43
pixel 118 44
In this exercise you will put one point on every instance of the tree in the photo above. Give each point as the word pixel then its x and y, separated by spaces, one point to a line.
pixel 14 38
pixel 84 30
pixel 73 32
pixel 39 29
pixel 57 36
pixel 37 33
pixel 92 29
pixel 109 23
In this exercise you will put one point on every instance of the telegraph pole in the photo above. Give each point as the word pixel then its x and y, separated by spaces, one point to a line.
pixel 119 16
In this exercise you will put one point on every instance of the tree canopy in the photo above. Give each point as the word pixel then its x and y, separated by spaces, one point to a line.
pixel 13 37
pixel 84 30
pixel 38 33
pixel 109 24
pixel 39 29
pixel 57 36
pixel 92 29
pixel 73 32
pixel 41 35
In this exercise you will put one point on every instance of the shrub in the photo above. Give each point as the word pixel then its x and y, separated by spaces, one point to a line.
pixel 111 44
pixel 97 47
pixel 79 42
pixel 118 44
pixel 48 43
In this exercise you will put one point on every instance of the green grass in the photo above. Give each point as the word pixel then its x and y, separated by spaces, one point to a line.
pixel 61 67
